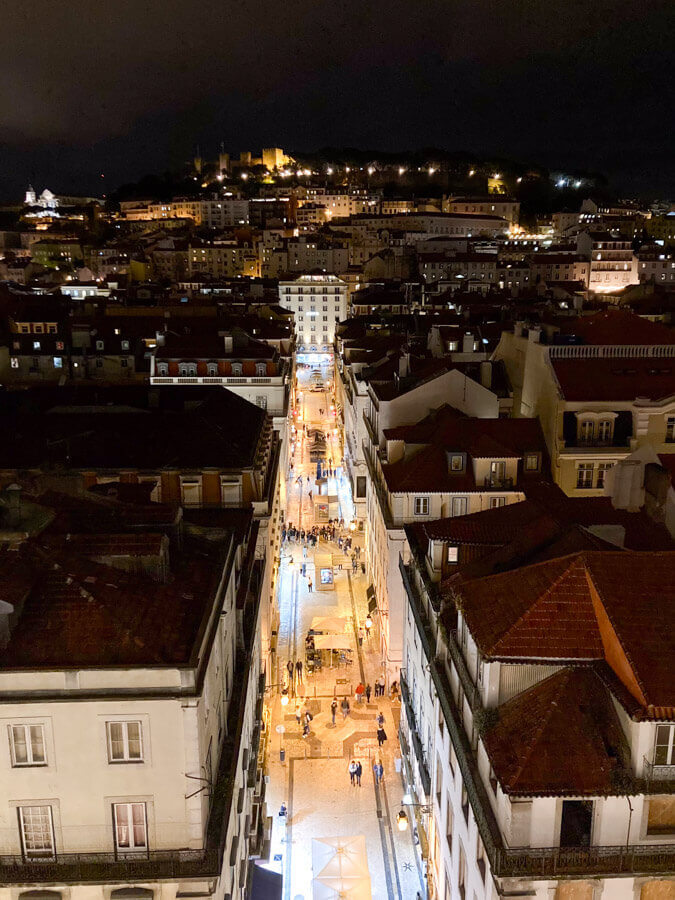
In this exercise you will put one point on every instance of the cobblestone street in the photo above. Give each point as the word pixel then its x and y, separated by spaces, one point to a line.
pixel 313 780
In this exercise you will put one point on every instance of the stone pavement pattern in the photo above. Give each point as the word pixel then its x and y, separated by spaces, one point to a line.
pixel 313 781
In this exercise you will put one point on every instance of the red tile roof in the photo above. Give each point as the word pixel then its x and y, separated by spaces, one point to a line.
pixel 615 379
pixel 619 326
pixel 560 737
pixel 548 611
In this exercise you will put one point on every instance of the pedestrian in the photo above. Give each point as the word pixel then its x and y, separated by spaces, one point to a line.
pixel 361 635
pixel 298 712
pixel 369 625
pixel 380 720
pixel 381 736
pixel 360 689
pixel 309 585
pixel 305 730
pixel 298 669
pixel 308 717
pixel 310 495
pixel 304 552
pixel 344 706
pixel 352 771
pixel 368 692
pixel 333 709
pixel 378 771
pixel 304 570
pixel 289 666
pixel 359 772
pixel 394 690
pixel 381 682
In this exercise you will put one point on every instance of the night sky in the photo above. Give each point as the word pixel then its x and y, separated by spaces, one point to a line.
pixel 130 86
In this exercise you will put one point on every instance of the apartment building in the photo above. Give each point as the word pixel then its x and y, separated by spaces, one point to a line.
pixel 448 464
pixel 561 267
pixel 601 387
pixel 536 735
pixel 222 260
pixel 304 254
pixel 655 264
pixel 485 206
pixel 612 262
pixel 318 301
pixel 178 440
pixel 129 677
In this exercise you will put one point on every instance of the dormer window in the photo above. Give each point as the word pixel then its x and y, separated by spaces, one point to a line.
pixel 187 369
pixel 586 431
pixel 453 555
pixel 162 368
pixel 532 462
pixel 99 345
pixel 212 368
pixel 261 368
pixel 456 462
pixel 421 506
pixel 237 368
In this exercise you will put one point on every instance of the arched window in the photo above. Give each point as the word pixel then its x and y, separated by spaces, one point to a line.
pixel 212 368
pixel 237 368
pixel 187 368
pixel 162 368
pixel 261 368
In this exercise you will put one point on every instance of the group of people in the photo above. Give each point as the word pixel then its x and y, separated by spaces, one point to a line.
pixel 310 536
pixel 344 707
pixel 303 717
pixel 355 770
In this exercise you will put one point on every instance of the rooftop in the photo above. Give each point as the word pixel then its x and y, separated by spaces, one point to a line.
pixel 619 379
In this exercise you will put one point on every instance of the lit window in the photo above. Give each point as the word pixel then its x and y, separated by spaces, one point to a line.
pixel 130 826
pixel 603 468
pixel 532 462
pixel 14 363
pixel 453 554
pixel 497 501
pixel 125 345
pixel 58 362
pixel 36 345
pixel 125 742
pixel 456 462
pixel 585 475
pixel 27 744
pixel 670 430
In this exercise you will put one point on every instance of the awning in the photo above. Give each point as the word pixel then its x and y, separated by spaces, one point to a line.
pixel 331 642
pixel 266 884
pixel 336 624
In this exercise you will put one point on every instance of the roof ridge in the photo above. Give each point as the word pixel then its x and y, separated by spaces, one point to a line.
pixel 574 560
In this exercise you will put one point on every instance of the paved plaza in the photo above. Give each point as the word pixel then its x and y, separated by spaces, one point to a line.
pixel 313 780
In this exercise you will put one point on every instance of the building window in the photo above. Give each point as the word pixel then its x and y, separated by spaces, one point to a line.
pixel 461 875
pixel 459 506
pixel 124 362
pixel 670 430
pixel 586 431
pixel 100 345
pixel 58 362
pixel 497 501
pixel 605 428
pixel 14 363
pixel 37 832
pixel 456 462
pixel 448 823
pixel 532 462
pixel 603 468
pixel 131 830
pixel 36 345
pixel 664 747
pixel 261 401
pixel 421 506
pixel 191 491
pixel 125 742
pixel 125 345
pixel 453 553
pixel 237 369
pixel 162 368
pixel 27 743
pixel 480 857
pixel 585 475
pixel 261 368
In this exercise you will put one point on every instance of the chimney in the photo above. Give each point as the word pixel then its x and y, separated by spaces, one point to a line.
pixel 6 610
pixel 228 342
pixel 486 374
pixel 627 491
pixel 534 334
pixel 13 493
pixel 404 365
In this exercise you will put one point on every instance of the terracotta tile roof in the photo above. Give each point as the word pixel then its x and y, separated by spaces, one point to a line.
pixel 593 605
pixel 615 379
pixel 491 526
pixel 618 326
pixel 560 737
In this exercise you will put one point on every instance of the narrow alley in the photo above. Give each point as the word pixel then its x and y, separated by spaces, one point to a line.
pixel 322 588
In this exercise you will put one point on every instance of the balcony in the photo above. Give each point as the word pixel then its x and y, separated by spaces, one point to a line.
pixel 422 764
pixel 500 482
pixel 657 773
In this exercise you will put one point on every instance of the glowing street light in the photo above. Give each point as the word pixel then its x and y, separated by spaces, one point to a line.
pixel 329 171
pixel 431 170
pixel 371 170
pixel 401 170
pixel 472 172
pixel 244 175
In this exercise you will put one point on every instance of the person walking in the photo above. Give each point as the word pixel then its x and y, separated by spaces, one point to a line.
pixel 333 709
pixel 360 689
pixel 309 585
pixel 368 692
pixel 352 771
pixel 381 736
pixel 289 666
pixel 298 670
pixel 380 720
pixel 394 690
pixel 378 771
pixel 344 706
pixel 298 712
pixel 381 683
pixel 361 635
pixel 359 772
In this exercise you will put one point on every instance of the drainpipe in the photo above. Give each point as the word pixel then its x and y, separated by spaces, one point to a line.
pixel 630 816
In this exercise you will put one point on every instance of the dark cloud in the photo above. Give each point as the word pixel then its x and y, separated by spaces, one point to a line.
pixel 124 86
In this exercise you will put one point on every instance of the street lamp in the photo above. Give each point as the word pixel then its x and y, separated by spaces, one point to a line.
pixel 284 692
pixel 402 818
pixel 369 622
